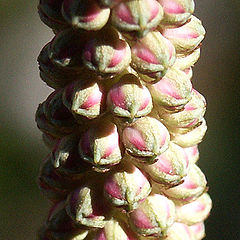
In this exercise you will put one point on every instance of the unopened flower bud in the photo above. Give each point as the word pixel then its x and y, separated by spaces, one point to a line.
pixel 185 137
pixel 198 230
pixel 50 13
pixel 66 159
pixel 193 186
pixel 170 168
pixel 100 146
pixel 186 37
pixel 196 211
pixel 83 98
pixel 137 16
pixel 179 231
pixel 186 61
pixel 128 98
pixel 126 188
pixel 85 14
pixel 84 208
pixel 153 216
pixel 113 230
pixel 176 12
pixel 147 137
pixel 189 116
pixel 152 56
pixel 192 153
pixel 173 90
pixel 107 53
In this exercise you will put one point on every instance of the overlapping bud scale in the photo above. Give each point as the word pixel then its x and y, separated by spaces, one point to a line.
pixel 123 122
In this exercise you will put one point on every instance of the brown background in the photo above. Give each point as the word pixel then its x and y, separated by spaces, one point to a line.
pixel 22 35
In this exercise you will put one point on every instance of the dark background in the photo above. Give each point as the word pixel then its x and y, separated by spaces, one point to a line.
pixel 216 76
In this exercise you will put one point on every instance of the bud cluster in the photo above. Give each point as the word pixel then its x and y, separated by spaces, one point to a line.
pixel 123 122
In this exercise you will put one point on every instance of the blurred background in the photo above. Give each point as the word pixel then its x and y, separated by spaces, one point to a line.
pixel 216 76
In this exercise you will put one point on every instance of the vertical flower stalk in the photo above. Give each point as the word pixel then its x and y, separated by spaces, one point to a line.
pixel 123 121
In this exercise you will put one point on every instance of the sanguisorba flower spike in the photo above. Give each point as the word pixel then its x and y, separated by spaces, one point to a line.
pixel 123 121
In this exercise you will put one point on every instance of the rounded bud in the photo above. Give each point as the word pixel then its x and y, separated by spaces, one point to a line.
pixel 193 186
pixel 186 37
pixel 83 98
pixel 152 56
pixel 84 207
pixel 137 16
pixel 170 167
pixel 179 231
pixel 129 98
pixel 176 12
pixel 153 216
pixel 188 137
pixel 189 116
pixel 126 188
pixel 173 90
pixel 198 230
pixel 107 53
pixel 100 146
pixel 146 137
pixel 194 212
pixel 85 14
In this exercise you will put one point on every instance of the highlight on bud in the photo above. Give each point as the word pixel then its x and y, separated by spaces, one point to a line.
pixel 170 167
pixel 176 12
pixel 196 211
pixel 127 187
pixel 152 56
pixel 85 14
pixel 83 98
pixel 173 90
pixel 194 185
pixel 137 16
pixel 99 145
pixel 146 137
pixel 129 98
pixel 153 217
pixel 198 230
pixel 192 153
pixel 107 53
pixel 187 37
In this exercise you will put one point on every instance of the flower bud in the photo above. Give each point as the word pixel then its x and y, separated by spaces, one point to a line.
pixel 128 98
pixel 170 168
pixel 153 216
pixel 66 48
pixel 57 113
pixel 146 137
pixel 198 230
pixel 152 56
pixel 176 12
pixel 137 16
pixel 85 14
pixel 196 211
pixel 186 61
pixel 66 159
pixel 83 99
pixel 185 137
pixel 50 13
pixel 127 188
pixel 173 90
pixel 107 53
pixel 186 37
pixel 179 231
pixel 100 146
pixel 114 231
pixel 192 153
pixel 189 116
pixel 84 207
pixel 110 3
pixel 193 186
